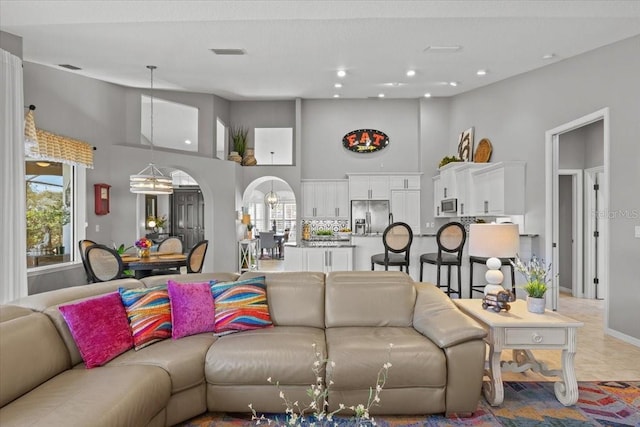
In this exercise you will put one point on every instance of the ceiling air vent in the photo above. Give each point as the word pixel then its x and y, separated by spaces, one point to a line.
pixel 69 67
pixel 228 51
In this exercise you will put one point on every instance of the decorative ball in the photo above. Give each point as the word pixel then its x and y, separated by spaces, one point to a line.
pixel 494 263
pixel 494 277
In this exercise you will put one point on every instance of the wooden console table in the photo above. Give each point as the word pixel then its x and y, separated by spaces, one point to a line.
pixel 521 331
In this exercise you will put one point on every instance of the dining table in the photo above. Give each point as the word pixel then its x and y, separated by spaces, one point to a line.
pixel 144 266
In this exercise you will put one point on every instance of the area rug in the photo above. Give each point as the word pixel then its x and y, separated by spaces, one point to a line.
pixel 609 403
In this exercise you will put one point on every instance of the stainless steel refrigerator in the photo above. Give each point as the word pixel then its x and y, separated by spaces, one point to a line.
pixel 374 213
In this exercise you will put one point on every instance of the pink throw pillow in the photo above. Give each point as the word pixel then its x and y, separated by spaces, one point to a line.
pixel 192 309
pixel 99 327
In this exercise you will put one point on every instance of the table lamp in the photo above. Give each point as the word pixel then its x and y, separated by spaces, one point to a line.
pixel 494 241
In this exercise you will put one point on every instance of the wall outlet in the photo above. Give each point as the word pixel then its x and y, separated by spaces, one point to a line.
pixel 637 231
pixel 97 228
pixel 430 224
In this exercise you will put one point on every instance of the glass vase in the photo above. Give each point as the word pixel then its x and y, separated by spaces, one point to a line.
pixel 144 253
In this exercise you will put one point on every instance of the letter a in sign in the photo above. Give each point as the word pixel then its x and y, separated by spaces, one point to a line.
pixel 365 140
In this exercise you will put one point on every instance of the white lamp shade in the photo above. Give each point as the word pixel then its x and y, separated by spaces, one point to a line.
pixel 494 240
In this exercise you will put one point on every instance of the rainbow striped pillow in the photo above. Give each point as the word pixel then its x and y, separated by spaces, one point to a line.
pixel 149 314
pixel 241 305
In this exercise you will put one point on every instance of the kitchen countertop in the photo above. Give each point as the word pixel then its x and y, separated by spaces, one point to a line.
pixel 326 244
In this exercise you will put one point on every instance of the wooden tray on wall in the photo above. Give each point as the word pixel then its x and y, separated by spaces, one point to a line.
pixel 483 151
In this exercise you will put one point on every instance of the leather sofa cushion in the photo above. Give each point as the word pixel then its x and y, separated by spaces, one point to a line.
pixel 152 281
pixel 360 352
pixel 183 359
pixel 282 353
pixel 44 300
pixel 295 298
pixel 102 397
pixel 369 298
pixel 8 312
pixel 31 352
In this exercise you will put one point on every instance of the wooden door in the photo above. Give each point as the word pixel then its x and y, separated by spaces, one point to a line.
pixel 188 216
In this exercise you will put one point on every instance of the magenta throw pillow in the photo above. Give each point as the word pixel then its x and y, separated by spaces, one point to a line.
pixel 192 309
pixel 99 327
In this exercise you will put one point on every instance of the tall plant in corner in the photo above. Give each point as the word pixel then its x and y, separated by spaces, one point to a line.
pixel 239 138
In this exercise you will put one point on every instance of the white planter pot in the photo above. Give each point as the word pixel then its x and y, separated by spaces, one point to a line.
pixel 536 305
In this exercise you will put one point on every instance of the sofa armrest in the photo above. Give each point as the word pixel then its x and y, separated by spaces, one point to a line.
pixel 437 317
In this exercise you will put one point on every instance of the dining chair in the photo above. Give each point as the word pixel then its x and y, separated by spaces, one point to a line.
pixel 195 259
pixel 450 239
pixel 172 245
pixel 397 239
pixel 82 246
pixel 268 241
pixel 104 263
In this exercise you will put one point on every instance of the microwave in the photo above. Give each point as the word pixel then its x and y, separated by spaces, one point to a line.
pixel 449 206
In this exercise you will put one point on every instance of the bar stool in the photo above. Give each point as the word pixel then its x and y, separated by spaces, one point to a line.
pixel 450 239
pixel 397 238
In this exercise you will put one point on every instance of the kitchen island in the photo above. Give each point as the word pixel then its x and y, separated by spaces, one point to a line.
pixel 320 255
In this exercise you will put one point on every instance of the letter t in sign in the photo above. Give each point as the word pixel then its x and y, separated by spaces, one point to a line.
pixel 376 139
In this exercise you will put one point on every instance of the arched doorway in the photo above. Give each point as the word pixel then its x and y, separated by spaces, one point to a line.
pixel 265 218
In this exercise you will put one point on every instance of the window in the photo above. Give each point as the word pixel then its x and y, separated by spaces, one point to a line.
pixel 174 125
pixel 53 196
pixel 276 140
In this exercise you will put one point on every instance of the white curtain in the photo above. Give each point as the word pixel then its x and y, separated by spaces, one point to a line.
pixel 13 260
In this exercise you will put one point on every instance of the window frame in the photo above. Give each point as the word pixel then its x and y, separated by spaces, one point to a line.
pixel 78 210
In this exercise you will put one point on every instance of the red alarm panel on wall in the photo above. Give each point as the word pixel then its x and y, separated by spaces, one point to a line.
pixel 101 192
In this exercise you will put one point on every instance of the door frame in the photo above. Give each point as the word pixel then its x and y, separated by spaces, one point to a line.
pixel 577 229
pixel 552 140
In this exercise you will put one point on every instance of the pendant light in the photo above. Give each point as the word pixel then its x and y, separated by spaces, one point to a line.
pixel 271 198
pixel 150 180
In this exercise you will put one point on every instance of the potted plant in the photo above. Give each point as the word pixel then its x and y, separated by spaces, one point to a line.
pixel 536 274
pixel 249 231
pixel 239 138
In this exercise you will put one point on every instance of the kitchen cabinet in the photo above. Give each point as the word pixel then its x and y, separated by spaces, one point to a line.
pixel 327 259
pixel 369 187
pixel 465 187
pixel 437 191
pixel 404 182
pixel 499 189
pixel 325 199
pixel 405 207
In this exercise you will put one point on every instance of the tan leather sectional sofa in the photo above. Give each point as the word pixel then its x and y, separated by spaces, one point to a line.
pixel 437 355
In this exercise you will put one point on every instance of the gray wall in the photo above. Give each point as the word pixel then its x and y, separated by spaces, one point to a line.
pixel 582 148
pixel 514 114
pixel 11 43
pixel 565 230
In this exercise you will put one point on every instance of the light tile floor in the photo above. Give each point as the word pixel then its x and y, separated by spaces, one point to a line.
pixel 599 357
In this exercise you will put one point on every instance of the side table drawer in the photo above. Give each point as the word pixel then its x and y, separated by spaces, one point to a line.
pixel 533 336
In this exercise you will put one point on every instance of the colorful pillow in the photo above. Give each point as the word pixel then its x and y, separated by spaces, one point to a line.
pixel 241 305
pixel 99 327
pixel 192 309
pixel 149 314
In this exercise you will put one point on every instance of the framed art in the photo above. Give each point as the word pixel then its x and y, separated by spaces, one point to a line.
pixel 465 145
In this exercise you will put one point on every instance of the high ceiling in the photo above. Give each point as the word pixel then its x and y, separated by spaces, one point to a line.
pixel 294 48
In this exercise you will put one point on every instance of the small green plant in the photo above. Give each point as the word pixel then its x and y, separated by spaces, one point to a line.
pixel 324 233
pixel 239 137
pixel 535 289
pixel 449 159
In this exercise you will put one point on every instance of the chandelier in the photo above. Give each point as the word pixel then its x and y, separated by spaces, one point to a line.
pixel 271 198
pixel 150 180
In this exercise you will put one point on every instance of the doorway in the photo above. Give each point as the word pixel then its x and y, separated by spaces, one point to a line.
pixel 570 232
pixel 187 211
pixel 559 141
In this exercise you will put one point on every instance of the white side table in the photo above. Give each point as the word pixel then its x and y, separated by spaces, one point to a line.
pixel 521 331
pixel 248 254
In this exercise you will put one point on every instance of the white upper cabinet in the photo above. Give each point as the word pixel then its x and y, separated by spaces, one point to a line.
pixel 498 189
pixel 325 199
pixel 404 182
pixel 369 187
pixel 405 207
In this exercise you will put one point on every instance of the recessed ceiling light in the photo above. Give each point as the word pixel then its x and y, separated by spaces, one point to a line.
pixel 341 73
pixel 228 51
pixel 337 85
pixel 443 49
pixel 427 95
pixel 187 141
pixel 335 95
pixel 69 67
pixel 394 84
pixel 549 56
pixel 454 84
pixel 481 72
pixel 381 95
pixel 411 73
